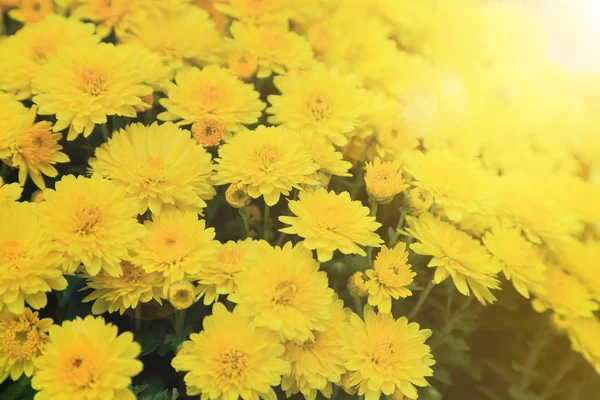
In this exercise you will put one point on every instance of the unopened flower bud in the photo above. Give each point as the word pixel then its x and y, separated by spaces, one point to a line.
pixel 243 64
pixel 420 199
pixel 181 294
pixel 384 181
pixel 38 197
pixel 208 132
pixel 357 284
pixel 237 195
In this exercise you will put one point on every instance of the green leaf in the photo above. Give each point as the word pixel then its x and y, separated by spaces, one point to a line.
pixel 175 339
pixel 151 338
pixel 442 375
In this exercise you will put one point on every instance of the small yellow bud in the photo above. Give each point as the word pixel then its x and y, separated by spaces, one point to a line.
pixel 397 395
pixel 38 197
pixel 254 213
pixel 420 199
pixel 208 132
pixel 181 294
pixel 344 383
pixel 243 64
pixel 237 195
pixel 357 285
pixel 384 181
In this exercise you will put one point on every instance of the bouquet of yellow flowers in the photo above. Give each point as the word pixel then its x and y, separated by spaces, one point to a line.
pixel 319 199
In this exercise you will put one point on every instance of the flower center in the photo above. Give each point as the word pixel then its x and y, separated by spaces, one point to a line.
pixel 156 163
pixel 10 250
pixel 285 293
pixel 131 273
pixel 93 81
pixel 87 219
pixel 22 340
pixel 319 107
pixel 384 354
pixel 37 143
pixel 35 10
pixel 267 155
pixel 229 256
pixel 232 364
pixel 81 372
pixel 182 296
pixel 210 97
pixel 111 10
pixel 257 8
pixel 275 40
pixel 208 132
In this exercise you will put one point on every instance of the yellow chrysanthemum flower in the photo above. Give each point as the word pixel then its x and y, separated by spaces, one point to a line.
pixel 389 277
pixel 218 276
pixel 22 339
pixel 169 37
pixel 159 166
pixel 9 192
pixel 35 150
pixel 213 93
pixel 134 286
pixel 181 294
pixel 328 221
pixel 285 291
pixel 85 84
pixel 231 358
pixel 177 244
pixel 31 11
pixel 276 48
pixel 237 195
pixel 420 199
pixel 12 116
pixel 318 362
pixel 565 295
pixel 270 161
pixel 387 355
pixel 86 358
pixel 28 267
pixel 253 11
pixel 384 180
pixel 583 334
pixel 24 54
pixel 456 254
pixel 317 101
pixel 522 262
pixel 581 259
pixel 457 184
pixel 91 222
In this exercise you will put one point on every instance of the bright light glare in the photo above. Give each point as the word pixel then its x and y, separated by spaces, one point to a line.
pixel 574 33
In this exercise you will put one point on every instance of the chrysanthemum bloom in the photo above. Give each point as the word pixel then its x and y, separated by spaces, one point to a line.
pixel 208 132
pixel 256 11
pixel 328 221
pixel 324 154
pixel 520 259
pixel 22 339
pixel 28 267
pixel 12 116
pixel 420 199
pixel 242 64
pixel 357 284
pixel 126 291
pixel 181 294
pixel 319 361
pixel 35 150
pixel 237 195
pixel 455 253
pixel 159 166
pixel 87 359
pixel 564 294
pixel 387 355
pixel 177 244
pixel 23 55
pixel 583 334
pixel 389 277
pixel 85 84
pixel 384 180
pixel 270 161
pixel 218 276
pixel 9 192
pixel 317 101
pixel 285 291
pixel 231 358
pixel 91 222
pixel 213 93
pixel 580 259
pixel 169 36
pixel 31 11
pixel 457 184
pixel 277 49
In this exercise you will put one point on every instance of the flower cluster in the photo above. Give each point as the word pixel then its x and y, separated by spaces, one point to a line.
pixel 297 189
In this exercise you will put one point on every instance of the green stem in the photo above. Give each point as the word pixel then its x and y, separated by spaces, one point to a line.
pixel 138 317
pixel 449 327
pixel 105 131
pixel 541 339
pixel 358 305
pixel 564 369
pixel 394 236
pixel 245 220
pixel 336 391
pixel 424 294
pixel 179 320
pixel 280 239
pixel 267 222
